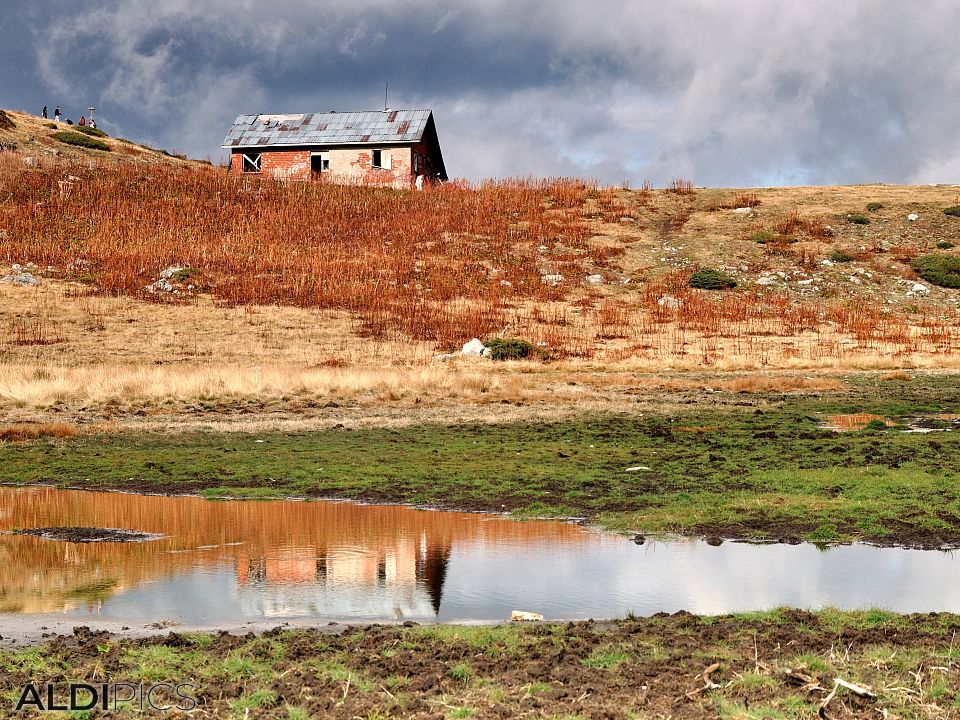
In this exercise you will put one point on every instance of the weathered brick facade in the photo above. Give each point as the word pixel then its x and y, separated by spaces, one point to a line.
pixel 347 165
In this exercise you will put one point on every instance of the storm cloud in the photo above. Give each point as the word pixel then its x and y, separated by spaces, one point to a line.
pixel 734 93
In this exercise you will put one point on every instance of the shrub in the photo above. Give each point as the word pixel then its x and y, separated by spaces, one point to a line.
pixel 709 279
pixel 6 122
pixel 510 348
pixel 763 237
pixel 953 210
pixel 52 126
pixel 875 425
pixel 874 206
pixel 81 140
pixel 942 270
pixel 858 219
pixel 87 130
pixel 945 245
pixel 839 256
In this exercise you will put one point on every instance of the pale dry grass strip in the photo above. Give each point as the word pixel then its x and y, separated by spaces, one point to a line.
pixel 45 385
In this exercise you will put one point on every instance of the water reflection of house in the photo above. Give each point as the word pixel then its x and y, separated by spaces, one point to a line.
pixel 399 571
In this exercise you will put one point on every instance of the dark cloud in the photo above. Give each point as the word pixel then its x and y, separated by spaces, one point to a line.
pixel 744 92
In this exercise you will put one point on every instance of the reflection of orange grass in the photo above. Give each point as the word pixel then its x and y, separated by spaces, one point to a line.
pixel 854 421
pixel 282 540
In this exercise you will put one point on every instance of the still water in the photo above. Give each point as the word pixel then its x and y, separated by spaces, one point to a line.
pixel 231 561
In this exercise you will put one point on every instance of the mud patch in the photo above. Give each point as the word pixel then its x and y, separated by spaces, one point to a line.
pixel 88 534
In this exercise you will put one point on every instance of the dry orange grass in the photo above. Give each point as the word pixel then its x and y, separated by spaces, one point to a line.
pixel 16 432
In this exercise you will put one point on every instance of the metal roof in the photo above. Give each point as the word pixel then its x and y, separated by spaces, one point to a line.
pixel 329 128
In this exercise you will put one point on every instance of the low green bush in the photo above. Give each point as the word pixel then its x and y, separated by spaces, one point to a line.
pixel 510 348
pixel 953 210
pixel 87 130
pixel 81 140
pixel 942 270
pixel 762 237
pixel 839 256
pixel 52 126
pixel 945 245
pixel 876 425
pixel 874 206
pixel 858 219
pixel 709 279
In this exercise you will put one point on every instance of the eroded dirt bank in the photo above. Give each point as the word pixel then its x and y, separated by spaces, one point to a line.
pixel 781 664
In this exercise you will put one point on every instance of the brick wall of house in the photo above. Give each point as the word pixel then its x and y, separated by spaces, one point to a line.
pixel 346 165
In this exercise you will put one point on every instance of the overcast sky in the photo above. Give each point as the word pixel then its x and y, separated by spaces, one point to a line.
pixel 724 92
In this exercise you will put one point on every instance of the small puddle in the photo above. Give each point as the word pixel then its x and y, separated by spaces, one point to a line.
pixel 220 562
pixel 853 421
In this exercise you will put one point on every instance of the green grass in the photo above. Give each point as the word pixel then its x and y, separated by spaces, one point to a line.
pixel 759 474
pixel 858 219
pixel 953 210
pixel 839 256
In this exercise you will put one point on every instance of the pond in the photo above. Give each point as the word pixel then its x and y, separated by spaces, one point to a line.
pixel 219 562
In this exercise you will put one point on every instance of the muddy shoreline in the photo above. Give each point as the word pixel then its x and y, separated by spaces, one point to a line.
pixel 777 664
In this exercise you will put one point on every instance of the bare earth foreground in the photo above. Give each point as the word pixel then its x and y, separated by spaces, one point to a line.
pixel 156 315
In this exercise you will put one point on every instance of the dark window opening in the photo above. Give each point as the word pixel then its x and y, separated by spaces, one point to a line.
pixel 251 162
pixel 377 158
pixel 319 163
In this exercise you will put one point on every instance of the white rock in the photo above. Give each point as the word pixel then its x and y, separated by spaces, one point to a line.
pixel 855 280
pixel 742 211
pixel 159 286
pixel 169 272
pixel 805 282
pixel 24 279
pixel 474 348
pixel 669 302
pixel 17 268
pixel 827 263
pixel 593 279
pixel 913 217
pixel 766 281
pixel 637 468
pixel 920 288
pixel 554 279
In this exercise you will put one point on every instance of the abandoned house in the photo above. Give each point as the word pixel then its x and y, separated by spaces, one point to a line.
pixel 388 147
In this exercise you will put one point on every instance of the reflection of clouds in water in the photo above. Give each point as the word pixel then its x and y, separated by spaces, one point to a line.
pixel 613 577
pixel 342 561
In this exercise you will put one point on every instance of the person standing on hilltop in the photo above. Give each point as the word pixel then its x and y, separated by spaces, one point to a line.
pixel 44 112
pixel 56 114
pixel 83 120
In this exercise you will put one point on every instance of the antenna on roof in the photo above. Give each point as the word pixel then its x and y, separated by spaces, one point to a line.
pixel 386 89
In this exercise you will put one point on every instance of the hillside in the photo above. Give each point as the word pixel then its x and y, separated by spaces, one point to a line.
pixel 32 136
pixel 169 286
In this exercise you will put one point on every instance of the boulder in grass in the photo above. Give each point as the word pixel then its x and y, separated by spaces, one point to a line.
pixel 475 348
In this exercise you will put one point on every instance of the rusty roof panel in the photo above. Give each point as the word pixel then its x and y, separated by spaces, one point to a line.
pixel 328 128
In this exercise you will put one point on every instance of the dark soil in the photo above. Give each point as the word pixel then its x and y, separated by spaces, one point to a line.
pixel 780 664
pixel 88 534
